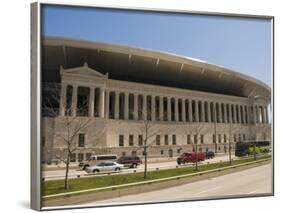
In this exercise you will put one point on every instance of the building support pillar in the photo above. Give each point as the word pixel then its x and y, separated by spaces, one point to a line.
pixel 92 102
pixel 101 102
pixel 152 107
pixel 63 99
pixel 225 113
pixel 126 106
pixel 107 93
pixel 220 113
pixel 230 113
pixel 183 115
pixel 135 106
pixel 196 111
pixel 176 109
pixel 235 114
pixel 116 106
pixel 209 111
pixel 161 108
pixel 169 108
pixel 74 100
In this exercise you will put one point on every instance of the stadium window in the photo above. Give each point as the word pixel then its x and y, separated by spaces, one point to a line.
pixel 80 157
pixel 188 139
pixel 214 138
pixel 140 140
pixel 158 140
pixel 202 139
pixel 121 140
pixel 174 140
pixel 219 138
pixel 81 140
pixel 166 139
pixel 131 140
pixel 195 139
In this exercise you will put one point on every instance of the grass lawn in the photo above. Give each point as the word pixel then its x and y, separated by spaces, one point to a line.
pixel 56 186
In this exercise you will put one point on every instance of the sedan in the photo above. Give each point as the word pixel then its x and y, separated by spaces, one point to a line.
pixel 108 166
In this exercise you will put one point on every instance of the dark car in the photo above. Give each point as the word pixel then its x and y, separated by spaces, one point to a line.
pixel 209 154
pixel 129 161
pixel 190 157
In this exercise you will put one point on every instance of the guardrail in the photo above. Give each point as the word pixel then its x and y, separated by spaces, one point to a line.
pixel 154 181
pixel 129 171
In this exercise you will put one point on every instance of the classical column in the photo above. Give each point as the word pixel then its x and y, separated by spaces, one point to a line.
pixel 101 103
pixel 169 108
pixel 209 111
pixel 135 106
pixel 215 112
pixel 248 110
pixel 243 114
pixel 203 119
pixel 92 102
pixel 230 113
pixel 176 109
pixel 74 100
pixel 161 108
pixel 116 105
pixel 225 113
pixel 126 106
pixel 239 114
pixel 144 112
pixel 266 115
pixel 183 115
pixel 257 114
pixel 63 99
pixel 254 114
pixel 107 97
pixel 196 111
pixel 190 118
pixel 220 113
pixel 152 107
pixel 263 114
pixel 235 114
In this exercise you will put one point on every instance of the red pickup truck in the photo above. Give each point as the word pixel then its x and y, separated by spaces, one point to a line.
pixel 190 157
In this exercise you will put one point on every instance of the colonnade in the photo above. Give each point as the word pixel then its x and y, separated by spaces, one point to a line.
pixel 106 103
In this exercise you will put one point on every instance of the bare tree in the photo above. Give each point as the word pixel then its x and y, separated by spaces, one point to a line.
pixel 70 127
pixel 231 129
pixel 149 130
pixel 196 129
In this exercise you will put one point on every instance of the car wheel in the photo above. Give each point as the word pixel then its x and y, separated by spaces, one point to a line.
pixel 95 171
pixel 117 169
pixel 134 165
pixel 85 167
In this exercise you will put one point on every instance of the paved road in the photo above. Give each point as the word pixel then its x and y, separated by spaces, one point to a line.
pixel 251 181
pixel 59 174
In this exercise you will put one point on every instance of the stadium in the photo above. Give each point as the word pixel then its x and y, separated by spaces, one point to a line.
pixel 132 97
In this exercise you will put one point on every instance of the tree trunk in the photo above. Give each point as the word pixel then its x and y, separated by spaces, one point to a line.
pixel 229 153
pixel 196 152
pixel 66 184
pixel 145 162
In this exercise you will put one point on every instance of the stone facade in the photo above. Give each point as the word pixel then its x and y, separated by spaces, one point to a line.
pixel 120 113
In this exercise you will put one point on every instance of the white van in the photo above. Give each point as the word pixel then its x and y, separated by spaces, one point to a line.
pixel 95 159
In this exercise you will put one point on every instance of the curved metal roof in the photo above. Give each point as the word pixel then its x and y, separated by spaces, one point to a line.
pixel 146 66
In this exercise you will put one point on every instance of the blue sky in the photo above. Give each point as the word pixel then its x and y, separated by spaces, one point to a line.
pixel 241 44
